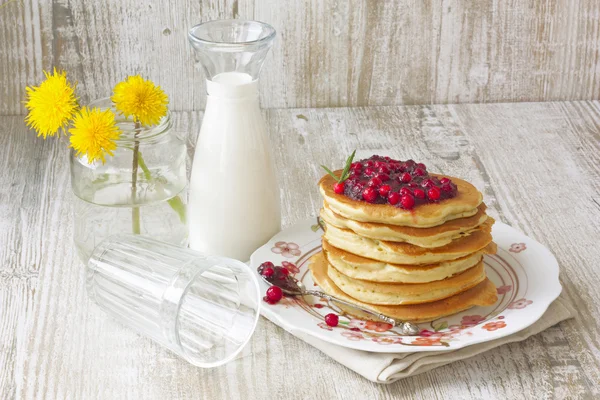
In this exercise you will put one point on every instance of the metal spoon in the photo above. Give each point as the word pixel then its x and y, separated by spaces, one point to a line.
pixel 292 287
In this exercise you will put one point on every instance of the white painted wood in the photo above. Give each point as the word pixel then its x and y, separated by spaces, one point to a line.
pixel 537 164
pixel 327 54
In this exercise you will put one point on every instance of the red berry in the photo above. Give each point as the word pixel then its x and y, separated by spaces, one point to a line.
pixel 267 264
pixel 378 164
pixel 421 165
pixel 369 194
pixel 405 177
pixel 374 182
pixel 274 294
pixel 446 187
pixel 419 194
pixel 444 180
pixel 383 177
pixel 369 163
pixel 284 271
pixel 419 172
pixel 384 169
pixel 268 272
pixel 413 185
pixel 393 198
pixel 357 166
pixel 404 190
pixel 427 183
pixel 384 190
pixel 357 188
pixel 407 201
pixel 369 171
pixel 331 319
pixel 434 193
pixel 339 187
pixel 409 163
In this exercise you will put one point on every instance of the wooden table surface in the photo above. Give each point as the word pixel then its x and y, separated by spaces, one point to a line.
pixel 538 165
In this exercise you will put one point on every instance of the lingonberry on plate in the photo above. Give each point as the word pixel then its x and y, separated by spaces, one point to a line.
pixel 447 187
pixel 404 191
pixel 273 295
pixel 369 194
pixel 383 177
pixel 384 190
pixel 375 182
pixel 419 193
pixel 393 198
pixel 268 272
pixel 383 169
pixel 428 183
pixel 332 319
pixel 338 188
pixel 434 193
pixel 407 201
pixel 405 177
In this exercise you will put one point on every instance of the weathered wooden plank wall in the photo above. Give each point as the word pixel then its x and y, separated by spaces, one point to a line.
pixel 329 53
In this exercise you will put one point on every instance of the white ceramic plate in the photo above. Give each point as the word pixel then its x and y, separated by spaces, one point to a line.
pixel 524 271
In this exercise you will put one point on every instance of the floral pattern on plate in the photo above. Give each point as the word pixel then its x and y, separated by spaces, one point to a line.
pixel 514 271
pixel 288 250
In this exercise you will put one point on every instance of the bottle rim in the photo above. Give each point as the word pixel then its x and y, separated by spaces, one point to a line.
pixel 196 37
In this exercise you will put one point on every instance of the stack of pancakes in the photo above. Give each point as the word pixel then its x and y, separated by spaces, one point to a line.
pixel 416 265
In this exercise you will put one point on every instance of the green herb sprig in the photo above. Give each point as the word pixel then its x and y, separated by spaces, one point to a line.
pixel 345 172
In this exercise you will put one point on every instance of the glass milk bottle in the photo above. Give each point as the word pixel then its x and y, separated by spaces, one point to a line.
pixel 234 195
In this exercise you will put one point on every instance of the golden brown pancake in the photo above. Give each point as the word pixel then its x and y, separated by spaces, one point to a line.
pixel 484 294
pixel 406 253
pixel 424 237
pixel 406 293
pixel 358 267
pixel 423 216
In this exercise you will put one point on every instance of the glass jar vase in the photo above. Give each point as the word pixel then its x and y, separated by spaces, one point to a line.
pixel 140 189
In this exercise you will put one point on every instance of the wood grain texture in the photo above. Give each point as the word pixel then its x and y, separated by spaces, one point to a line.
pixel 536 163
pixel 25 49
pixel 328 53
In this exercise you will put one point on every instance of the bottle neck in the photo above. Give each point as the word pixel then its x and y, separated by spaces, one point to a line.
pixel 232 85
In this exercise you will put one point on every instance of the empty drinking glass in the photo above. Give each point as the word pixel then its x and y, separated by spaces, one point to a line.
pixel 204 308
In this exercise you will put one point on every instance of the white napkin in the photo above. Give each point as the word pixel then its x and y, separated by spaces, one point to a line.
pixel 390 367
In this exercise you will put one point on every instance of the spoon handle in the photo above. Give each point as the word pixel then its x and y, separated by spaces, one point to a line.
pixel 378 316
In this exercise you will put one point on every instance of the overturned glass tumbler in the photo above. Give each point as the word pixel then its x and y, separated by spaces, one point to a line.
pixel 203 308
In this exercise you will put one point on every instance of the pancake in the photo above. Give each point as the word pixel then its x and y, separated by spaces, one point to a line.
pixel 436 236
pixel 406 253
pixel 483 294
pixel 423 216
pixel 358 267
pixel 407 293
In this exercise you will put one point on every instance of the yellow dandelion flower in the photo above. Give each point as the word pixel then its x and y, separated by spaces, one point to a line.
pixel 51 105
pixel 94 133
pixel 141 99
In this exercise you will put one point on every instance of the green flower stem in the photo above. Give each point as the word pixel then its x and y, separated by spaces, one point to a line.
pixel 135 211
pixel 176 203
